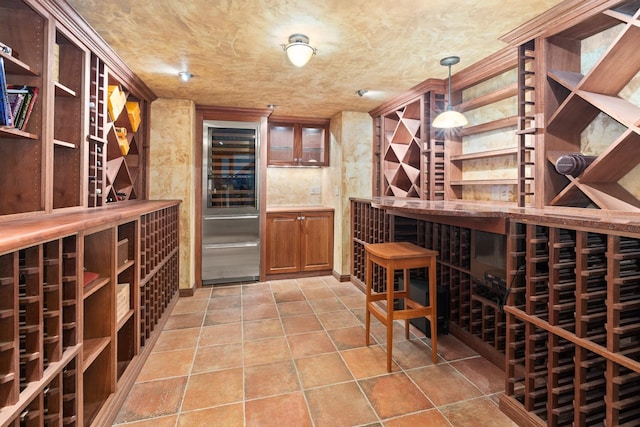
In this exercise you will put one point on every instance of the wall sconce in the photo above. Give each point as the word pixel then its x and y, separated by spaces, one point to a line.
pixel 298 50
pixel 449 118
pixel 185 76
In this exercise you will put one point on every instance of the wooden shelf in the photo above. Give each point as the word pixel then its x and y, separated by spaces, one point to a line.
pixel 485 154
pixel 95 286
pixel 504 181
pixel 13 65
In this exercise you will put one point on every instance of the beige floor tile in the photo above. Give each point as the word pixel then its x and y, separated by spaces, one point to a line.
pixel 177 339
pixel 311 343
pixel 167 364
pixel 259 329
pixel 264 351
pixel 152 399
pixel 270 379
pixel 190 306
pixel 429 418
pixel 346 338
pixel 476 413
pixel 226 415
pixel 484 374
pixel 278 411
pixel 322 370
pixel 259 312
pixel 223 315
pixel 339 405
pixel 216 357
pixel 338 319
pixel 443 385
pixel 294 308
pixel 213 389
pixel 301 324
pixel 393 395
pixel 367 362
pixel 221 302
pixel 321 305
pixel 226 333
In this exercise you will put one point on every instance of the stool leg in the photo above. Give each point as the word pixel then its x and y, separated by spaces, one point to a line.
pixel 390 290
pixel 368 284
pixel 406 289
pixel 433 302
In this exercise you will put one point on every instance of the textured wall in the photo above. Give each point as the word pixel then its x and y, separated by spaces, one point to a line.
pixel 172 170
pixel 292 186
pixel 352 134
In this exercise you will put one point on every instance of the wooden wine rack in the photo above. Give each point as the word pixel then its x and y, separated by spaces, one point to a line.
pixel 65 357
pixel 573 349
pixel 369 225
pixel 159 260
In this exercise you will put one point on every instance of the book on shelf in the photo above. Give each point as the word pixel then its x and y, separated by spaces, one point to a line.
pixel 30 93
pixel 5 109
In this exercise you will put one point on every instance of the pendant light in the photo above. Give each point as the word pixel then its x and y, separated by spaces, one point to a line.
pixel 449 118
pixel 298 49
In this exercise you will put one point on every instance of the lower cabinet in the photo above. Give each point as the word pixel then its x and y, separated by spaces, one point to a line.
pixel 80 300
pixel 299 241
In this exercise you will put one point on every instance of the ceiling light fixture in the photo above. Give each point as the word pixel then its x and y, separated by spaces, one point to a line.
pixel 298 49
pixel 362 92
pixel 449 118
pixel 185 76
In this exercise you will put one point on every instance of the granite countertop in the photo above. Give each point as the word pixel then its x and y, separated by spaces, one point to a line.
pixel 611 221
pixel 305 208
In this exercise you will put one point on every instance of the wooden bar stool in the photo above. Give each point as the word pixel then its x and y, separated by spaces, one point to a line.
pixel 400 256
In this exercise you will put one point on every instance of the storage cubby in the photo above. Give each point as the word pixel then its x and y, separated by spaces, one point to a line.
pixel 402 147
pixel 22 28
pixel 99 315
pixel 126 295
pixel 369 225
pixel 8 331
pixel 158 266
pixel 68 121
pixel 433 173
pixel 591 72
pixel 580 320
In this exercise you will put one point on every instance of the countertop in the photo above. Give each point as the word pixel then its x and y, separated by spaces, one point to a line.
pixel 611 221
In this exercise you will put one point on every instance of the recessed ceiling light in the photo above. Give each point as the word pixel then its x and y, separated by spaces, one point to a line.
pixel 185 76
pixel 272 106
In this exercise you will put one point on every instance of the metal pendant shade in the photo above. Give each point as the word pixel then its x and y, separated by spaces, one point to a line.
pixel 449 118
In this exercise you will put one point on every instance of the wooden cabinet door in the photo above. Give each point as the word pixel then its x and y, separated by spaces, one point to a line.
pixel 316 244
pixel 283 243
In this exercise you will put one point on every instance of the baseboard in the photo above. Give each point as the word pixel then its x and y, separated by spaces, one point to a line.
pixel 187 292
pixel 341 277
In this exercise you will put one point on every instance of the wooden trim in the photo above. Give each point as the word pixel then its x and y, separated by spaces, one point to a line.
pixel 485 69
pixel 514 410
pixel 187 292
pixel 341 277
pixel 556 19
pixel 295 119
pixel 438 85
pixel 297 275
pixel 211 112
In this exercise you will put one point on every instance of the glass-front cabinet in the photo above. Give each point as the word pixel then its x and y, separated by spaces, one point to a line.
pixel 298 142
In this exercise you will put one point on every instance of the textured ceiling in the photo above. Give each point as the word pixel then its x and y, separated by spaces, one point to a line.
pixel 232 47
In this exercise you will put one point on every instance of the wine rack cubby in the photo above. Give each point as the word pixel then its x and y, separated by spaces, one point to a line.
pixel 573 348
pixel 159 260
pixel 64 356
pixel 369 225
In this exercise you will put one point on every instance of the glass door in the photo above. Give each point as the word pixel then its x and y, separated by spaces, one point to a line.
pixel 231 168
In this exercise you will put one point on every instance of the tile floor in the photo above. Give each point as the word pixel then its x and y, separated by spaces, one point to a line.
pixel 292 353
